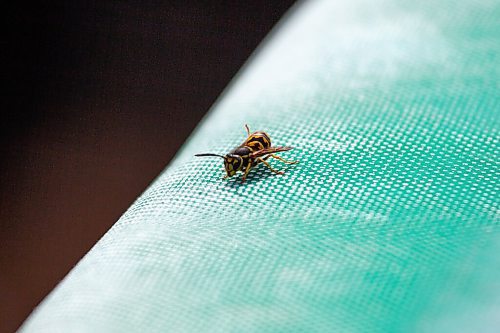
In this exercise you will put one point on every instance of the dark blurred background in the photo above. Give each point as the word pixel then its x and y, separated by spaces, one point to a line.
pixel 100 95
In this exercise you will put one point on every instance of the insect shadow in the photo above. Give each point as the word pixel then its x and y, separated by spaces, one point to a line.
pixel 260 173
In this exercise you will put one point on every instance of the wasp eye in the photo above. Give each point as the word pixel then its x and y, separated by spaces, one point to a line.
pixel 236 163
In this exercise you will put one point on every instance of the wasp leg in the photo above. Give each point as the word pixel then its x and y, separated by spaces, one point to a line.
pixel 225 177
pixel 260 159
pixel 283 160
pixel 247 170
pixel 248 129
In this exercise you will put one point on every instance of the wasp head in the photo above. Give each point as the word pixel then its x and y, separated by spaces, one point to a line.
pixel 232 163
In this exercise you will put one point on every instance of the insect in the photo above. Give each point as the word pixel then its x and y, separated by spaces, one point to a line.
pixel 254 150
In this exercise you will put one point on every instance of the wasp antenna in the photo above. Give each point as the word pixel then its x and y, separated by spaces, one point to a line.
pixel 203 155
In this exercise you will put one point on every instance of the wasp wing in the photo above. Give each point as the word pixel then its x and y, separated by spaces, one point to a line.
pixel 267 151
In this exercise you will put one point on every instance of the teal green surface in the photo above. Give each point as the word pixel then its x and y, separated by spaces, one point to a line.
pixel 390 223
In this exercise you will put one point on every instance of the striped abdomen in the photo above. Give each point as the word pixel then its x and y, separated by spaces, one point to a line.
pixel 257 141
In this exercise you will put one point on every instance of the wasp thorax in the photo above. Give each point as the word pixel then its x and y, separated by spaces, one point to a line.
pixel 240 151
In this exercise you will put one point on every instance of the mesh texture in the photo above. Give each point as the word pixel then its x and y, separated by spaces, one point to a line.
pixel 390 223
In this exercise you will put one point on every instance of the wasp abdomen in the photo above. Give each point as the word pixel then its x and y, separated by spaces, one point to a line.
pixel 257 141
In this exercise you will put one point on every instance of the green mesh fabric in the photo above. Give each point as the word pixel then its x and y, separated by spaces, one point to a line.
pixel 390 223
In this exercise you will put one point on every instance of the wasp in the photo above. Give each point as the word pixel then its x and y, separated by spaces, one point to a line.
pixel 254 150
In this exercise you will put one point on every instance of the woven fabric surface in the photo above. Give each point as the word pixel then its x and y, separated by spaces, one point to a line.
pixel 389 223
